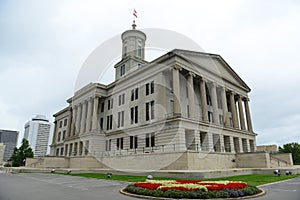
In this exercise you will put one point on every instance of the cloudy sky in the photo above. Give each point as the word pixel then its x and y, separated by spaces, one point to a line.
pixel 43 45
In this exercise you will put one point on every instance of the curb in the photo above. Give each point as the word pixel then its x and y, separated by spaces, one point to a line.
pixel 122 191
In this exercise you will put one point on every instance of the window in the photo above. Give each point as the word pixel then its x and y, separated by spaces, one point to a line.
pixel 147 89
pixel 119 143
pixel 150 88
pixel 121 99
pixel 188 110
pixel 125 51
pixel 120 119
pixel 139 50
pixel 65 122
pixel 57 152
pixel 221 119
pixel 102 107
pixel 58 137
pixel 210 117
pixel 134 115
pixel 101 123
pixel 149 110
pixel 122 70
pixel 109 122
pixel 133 142
pixel 110 103
pixel 134 94
pixel 150 140
pixel 64 135
pixel 60 124
pixel 108 145
pixel 61 151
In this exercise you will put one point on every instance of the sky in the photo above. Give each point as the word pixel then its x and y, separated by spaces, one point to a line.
pixel 43 45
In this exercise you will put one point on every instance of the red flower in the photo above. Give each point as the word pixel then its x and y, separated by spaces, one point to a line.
pixel 188 181
pixel 150 186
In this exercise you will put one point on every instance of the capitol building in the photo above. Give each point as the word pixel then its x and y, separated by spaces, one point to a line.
pixel 183 110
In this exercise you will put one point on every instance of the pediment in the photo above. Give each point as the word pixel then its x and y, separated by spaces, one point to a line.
pixel 214 64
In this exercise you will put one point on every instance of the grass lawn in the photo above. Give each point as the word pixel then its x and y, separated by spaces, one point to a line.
pixel 252 179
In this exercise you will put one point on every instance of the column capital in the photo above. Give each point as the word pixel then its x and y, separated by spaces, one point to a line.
pixel 192 74
pixel 245 99
pixel 203 79
pixel 177 67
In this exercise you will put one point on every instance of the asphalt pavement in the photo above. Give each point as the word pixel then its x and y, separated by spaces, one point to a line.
pixel 45 186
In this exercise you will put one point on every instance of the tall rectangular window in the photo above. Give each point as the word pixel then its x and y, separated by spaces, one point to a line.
pixel 150 139
pixel 119 143
pixel 122 70
pixel 136 93
pixel 102 107
pixel 134 114
pixel 133 142
pixel 121 99
pixel 152 87
pixel 109 122
pixel 139 51
pixel 147 89
pixel 101 123
pixel 108 145
pixel 149 110
pixel 120 119
pixel 110 103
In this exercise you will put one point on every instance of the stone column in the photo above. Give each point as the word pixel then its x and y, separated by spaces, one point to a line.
pixel 83 117
pixel 197 140
pixel 78 115
pixel 74 111
pixel 241 145
pixel 88 117
pixel 224 107
pixel 248 145
pixel 233 111
pixel 215 103
pixel 248 117
pixel 95 114
pixel 222 144
pixel 203 100
pixel 68 134
pixel 176 90
pixel 191 95
pixel 241 113
pixel 232 144
pixel 210 142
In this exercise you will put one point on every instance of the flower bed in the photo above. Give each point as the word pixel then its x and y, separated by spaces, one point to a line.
pixel 192 189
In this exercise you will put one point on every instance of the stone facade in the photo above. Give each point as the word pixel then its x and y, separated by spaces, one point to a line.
pixel 183 101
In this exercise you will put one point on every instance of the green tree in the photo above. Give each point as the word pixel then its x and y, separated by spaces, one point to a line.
pixel 20 154
pixel 293 148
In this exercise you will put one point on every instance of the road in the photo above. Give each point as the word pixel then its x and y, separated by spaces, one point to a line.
pixel 34 186
pixel 287 190
pixel 31 186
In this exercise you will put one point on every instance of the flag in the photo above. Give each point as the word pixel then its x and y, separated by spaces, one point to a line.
pixel 134 13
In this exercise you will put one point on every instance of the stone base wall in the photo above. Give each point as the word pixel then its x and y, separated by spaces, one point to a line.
pixel 190 160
